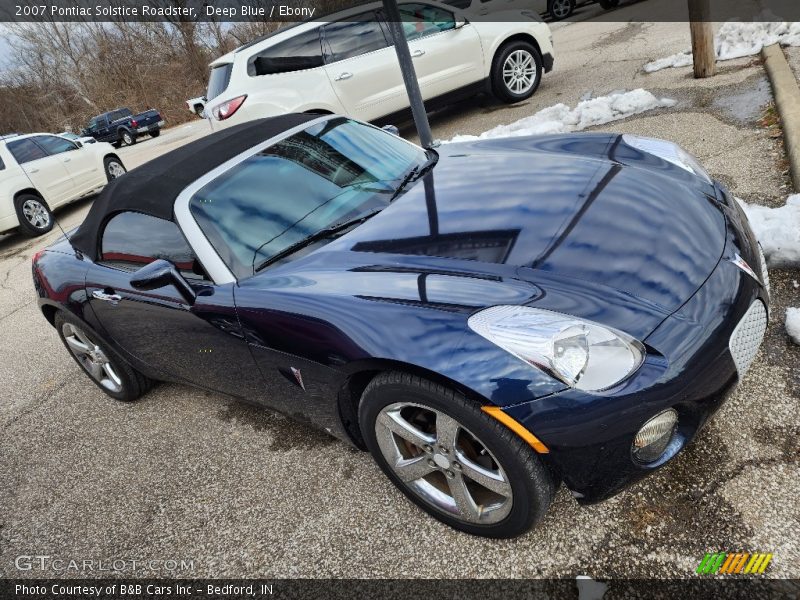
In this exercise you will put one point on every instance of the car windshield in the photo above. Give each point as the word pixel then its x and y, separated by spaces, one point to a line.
pixel 323 177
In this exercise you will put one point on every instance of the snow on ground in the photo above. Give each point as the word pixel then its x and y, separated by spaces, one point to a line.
pixel 793 324
pixel 778 230
pixel 735 40
pixel 561 118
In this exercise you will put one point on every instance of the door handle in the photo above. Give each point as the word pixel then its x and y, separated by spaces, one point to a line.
pixel 33 171
pixel 67 159
pixel 417 52
pixel 342 76
pixel 101 295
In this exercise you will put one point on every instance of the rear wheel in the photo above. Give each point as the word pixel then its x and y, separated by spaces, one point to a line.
pixel 33 214
pixel 127 138
pixel 155 132
pixel 452 460
pixel 560 9
pixel 104 366
pixel 516 71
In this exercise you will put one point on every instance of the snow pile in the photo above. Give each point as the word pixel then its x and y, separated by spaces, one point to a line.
pixel 561 118
pixel 778 230
pixel 735 40
pixel 793 324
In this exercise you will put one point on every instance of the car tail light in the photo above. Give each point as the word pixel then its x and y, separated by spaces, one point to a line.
pixel 134 123
pixel 38 255
pixel 227 109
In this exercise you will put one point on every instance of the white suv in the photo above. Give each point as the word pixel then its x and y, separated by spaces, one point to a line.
pixel 40 172
pixel 347 64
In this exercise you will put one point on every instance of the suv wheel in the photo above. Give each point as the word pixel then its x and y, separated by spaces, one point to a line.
pixel 128 139
pixel 114 168
pixel 33 214
pixel 560 9
pixel 516 72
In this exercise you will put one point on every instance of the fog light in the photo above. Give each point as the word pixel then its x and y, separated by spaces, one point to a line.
pixel 654 436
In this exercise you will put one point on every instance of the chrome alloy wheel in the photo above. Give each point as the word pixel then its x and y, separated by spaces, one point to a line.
pixel 35 213
pixel 115 169
pixel 91 357
pixel 443 463
pixel 561 8
pixel 519 71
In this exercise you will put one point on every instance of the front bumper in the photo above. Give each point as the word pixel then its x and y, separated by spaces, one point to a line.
pixel 689 367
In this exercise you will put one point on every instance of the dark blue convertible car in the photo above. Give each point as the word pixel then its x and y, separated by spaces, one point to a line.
pixel 488 319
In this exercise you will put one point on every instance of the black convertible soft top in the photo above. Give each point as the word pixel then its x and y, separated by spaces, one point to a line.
pixel 153 187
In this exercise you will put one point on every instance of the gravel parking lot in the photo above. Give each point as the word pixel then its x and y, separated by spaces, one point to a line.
pixel 185 474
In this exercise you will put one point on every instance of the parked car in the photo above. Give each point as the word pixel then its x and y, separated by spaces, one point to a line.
pixel 487 318
pixel 41 171
pixel 77 138
pixel 196 105
pixel 555 9
pixel 121 127
pixel 348 65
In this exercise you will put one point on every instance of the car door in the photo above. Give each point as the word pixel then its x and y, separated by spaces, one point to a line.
pixel 103 129
pixel 46 172
pixel 82 164
pixel 362 67
pixel 201 343
pixel 447 55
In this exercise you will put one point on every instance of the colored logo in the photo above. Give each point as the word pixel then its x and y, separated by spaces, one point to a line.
pixel 739 563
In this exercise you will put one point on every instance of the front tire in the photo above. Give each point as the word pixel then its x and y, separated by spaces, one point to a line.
pixel 560 9
pixel 452 460
pixel 114 167
pixel 33 214
pixel 516 72
pixel 101 363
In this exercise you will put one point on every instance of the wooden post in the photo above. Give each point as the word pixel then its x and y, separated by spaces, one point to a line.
pixel 705 58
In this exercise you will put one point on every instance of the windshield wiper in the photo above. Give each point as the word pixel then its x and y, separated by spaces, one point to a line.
pixel 415 173
pixel 314 237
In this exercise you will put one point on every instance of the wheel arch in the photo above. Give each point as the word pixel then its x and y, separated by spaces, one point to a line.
pixel 113 156
pixel 29 190
pixel 517 37
pixel 361 374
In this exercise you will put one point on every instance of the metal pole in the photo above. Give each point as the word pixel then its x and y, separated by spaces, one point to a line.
pixel 409 74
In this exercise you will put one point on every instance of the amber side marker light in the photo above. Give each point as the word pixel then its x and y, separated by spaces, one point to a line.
pixel 497 413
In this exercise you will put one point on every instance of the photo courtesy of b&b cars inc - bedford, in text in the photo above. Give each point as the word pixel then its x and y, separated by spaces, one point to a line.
pixel 358 299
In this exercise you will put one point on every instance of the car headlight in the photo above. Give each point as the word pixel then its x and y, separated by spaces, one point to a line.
pixel 669 152
pixel 582 354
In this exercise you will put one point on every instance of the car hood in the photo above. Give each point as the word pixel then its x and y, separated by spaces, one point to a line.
pixel 553 218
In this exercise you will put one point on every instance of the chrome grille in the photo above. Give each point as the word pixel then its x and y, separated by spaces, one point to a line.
pixel 747 336
pixel 764 272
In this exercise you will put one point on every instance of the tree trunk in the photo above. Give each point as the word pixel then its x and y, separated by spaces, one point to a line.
pixel 705 59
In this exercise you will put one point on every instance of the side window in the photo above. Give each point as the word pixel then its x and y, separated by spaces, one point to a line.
pixel 302 51
pixel 358 35
pixel 132 240
pixel 54 144
pixel 420 20
pixel 25 150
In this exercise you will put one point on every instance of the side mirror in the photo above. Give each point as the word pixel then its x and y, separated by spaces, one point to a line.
pixel 79 144
pixel 460 22
pixel 161 273
pixel 391 129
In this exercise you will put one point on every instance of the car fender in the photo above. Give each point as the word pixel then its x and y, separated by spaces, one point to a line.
pixel 495 34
